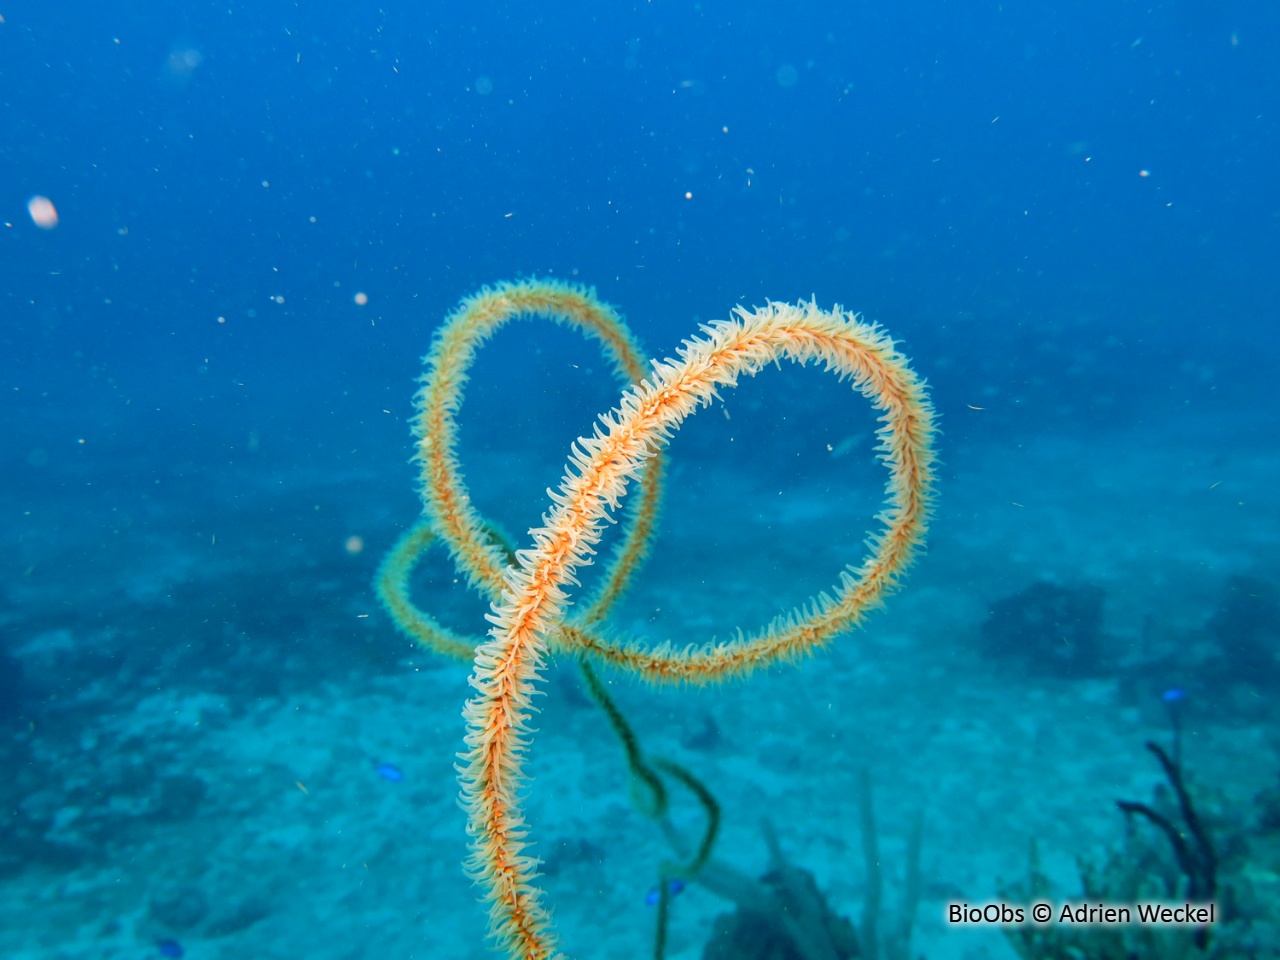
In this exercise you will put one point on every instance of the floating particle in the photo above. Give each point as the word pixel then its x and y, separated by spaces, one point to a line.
pixel 43 213
pixel 182 63
pixel 361 299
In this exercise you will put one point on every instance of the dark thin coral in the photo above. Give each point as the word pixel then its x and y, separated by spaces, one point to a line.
pixel 1197 859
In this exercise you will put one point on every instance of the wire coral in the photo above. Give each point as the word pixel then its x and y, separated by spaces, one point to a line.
pixel 449 516
pixel 532 596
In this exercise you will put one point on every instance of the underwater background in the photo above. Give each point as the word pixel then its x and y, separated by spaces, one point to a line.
pixel 227 234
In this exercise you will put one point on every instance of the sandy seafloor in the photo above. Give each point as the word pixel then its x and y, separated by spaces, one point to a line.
pixel 206 647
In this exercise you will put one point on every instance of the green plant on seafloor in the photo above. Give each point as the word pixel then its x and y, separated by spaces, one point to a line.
pixel 783 915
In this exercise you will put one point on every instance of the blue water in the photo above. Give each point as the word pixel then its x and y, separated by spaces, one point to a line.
pixel 1067 215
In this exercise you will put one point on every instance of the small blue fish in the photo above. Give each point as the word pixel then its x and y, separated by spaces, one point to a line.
pixel 169 948
pixel 674 886
pixel 389 771
pixel 1173 695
